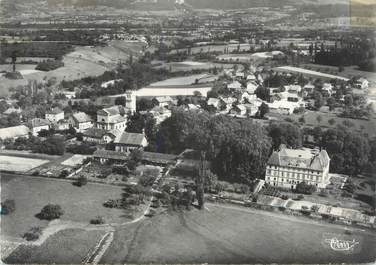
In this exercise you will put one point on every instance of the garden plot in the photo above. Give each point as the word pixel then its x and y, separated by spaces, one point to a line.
pixel 19 164
pixel 74 160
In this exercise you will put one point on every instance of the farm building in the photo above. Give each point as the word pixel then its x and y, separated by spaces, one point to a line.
pixel 80 121
pixel 36 125
pixel 127 142
pixel 54 115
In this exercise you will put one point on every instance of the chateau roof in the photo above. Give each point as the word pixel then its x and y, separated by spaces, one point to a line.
pixel 300 158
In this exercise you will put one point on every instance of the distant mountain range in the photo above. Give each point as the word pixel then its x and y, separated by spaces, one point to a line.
pixel 170 4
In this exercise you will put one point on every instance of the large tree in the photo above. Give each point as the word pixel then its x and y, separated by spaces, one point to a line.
pixel 285 133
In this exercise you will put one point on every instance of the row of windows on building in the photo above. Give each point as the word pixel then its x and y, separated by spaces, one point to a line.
pixel 291 174
pixel 287 181
pixel 291 180
pixel 293 169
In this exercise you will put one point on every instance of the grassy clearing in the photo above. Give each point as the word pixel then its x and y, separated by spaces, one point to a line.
pixel 19 164
pixel 65 247
pixel 31 194
pixel 236 235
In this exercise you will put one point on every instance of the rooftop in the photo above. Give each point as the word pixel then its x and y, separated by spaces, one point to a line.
pixel 135 139
pixel 38 122
pixel 54 111
pixel 81 117
pixel 13 132
pixel 301 158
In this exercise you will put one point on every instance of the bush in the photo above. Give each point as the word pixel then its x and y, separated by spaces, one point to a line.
pixel 323 193
pixel 64 173
pixel 305 188
pixel 81 181
pixel 112 204
pixel 98 220
pixel 33 234
pixel 35 173
pixel 285 197
pixel 7 207
pixel 49 65
pixel 50 212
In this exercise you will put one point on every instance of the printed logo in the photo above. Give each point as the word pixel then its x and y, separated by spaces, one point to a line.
pixel 343 243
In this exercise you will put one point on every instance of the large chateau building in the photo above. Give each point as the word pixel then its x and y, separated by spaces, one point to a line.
pixel 288 167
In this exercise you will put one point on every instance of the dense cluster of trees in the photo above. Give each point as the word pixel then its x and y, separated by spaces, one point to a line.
pixel 36 49
pixel 49 65
pixel 359 52
pixel 238 149
pixel 54 145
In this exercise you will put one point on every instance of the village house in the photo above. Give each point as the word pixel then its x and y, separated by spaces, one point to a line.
pixel 252 109
pixel 288 167
pixel 100 136
pixel 12 110
pixel 160 114
pixel 293 89
pixel 14 132
pixel 111 118
pixel 245 97
pixel 80 121
pixel 104 156
pixel 162 101
pixel 239 75
pixel 62 125
pixel 36 125
pixel 69 94
pixel 127 142
pixel 327 89
pixel 239 110
pixel 54 115
pixel 362 83
pixel 283 107
pixel 215 102
pixel 251 87
pixel 234 85
pixel 251 77
pixel 309 88
pixel 227 102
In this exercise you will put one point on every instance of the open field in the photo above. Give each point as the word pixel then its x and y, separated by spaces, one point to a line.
pixel 185 80
pixel 228 234
pixel 310 117
pixel 19 164
pixel 65 247
pixel 31 194
pixel 168 91
pixel 191 65
pixel 84 61
pixel 217 48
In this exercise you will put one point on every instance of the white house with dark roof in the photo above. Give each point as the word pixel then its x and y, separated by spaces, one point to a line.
pixel 54 115
pixel 127 142
pixel 162 101
pixel 362 83
pixel 111 119
pixel 36 125
pixel 288 167
pixel 215 102
pixel 234 85
pixel 80 121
